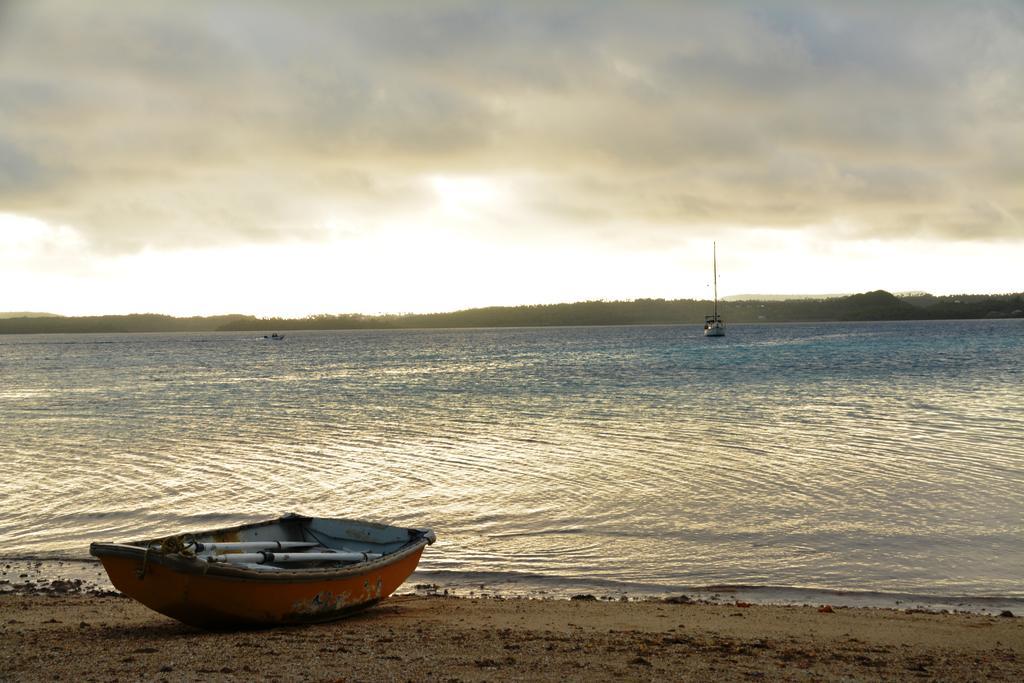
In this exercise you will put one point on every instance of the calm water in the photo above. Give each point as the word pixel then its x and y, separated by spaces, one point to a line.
pixel 866 457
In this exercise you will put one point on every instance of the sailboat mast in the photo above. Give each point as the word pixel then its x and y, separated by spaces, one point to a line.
pixel 714 271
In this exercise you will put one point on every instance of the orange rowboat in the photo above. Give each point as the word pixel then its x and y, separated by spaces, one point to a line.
pixel 290 570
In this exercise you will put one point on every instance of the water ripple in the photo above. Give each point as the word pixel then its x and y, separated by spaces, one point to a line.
pixel 861 456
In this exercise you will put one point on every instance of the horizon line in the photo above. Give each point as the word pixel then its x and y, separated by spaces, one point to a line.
pixel 736 298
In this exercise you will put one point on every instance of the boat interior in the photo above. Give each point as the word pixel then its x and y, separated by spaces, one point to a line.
pixel 290 543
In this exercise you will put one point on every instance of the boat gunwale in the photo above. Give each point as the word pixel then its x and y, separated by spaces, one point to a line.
pixel 145 552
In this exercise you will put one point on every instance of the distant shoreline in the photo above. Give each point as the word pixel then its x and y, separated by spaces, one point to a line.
pixel 871 306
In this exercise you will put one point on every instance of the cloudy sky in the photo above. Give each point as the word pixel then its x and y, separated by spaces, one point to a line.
pixel 290 158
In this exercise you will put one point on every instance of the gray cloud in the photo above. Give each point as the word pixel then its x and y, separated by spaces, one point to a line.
pixel 177 124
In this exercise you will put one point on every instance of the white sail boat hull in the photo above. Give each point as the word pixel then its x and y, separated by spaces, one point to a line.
pixel 714 329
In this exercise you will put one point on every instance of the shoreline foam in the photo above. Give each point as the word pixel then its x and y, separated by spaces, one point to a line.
pixel 27 576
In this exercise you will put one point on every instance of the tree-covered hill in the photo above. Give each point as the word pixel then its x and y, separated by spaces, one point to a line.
pixel 136 322
pixel 877 305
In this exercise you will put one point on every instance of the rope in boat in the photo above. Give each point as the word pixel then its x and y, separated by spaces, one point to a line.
pixel 178 544
pixel 181 545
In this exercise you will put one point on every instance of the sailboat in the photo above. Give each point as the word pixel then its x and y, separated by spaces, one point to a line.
pixel 713 325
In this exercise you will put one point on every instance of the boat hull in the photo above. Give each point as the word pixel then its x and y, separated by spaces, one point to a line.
pixel 217 602
pixel 213 596
pixel 713 326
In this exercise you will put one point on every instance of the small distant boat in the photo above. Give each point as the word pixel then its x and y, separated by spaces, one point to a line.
pixel 713 325
pixel 275 336
pixel 294 569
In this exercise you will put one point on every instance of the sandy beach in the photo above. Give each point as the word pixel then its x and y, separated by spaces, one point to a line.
pixel 105 637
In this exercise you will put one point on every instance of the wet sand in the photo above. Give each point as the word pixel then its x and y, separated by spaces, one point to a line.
pixel 83 637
